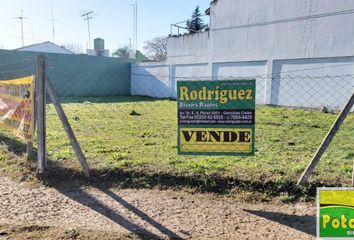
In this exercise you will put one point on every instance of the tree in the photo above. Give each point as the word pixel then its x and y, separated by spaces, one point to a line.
pixel 121 52
pixel 74 47
pixel 196 24
pixel 156 49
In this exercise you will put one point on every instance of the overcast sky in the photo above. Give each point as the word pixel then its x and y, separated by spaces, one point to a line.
pixel 112 21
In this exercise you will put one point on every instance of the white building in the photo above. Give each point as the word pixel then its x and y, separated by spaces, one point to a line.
pixel 299 50
pixel 45 47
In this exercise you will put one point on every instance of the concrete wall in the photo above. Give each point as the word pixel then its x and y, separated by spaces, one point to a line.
pixel 187 72
pixel 255 70
pixel 151 80
pixel 295 83
pixel 258 30
pixel 72 75
pixel 313 82
pixel 187 49
pixel 282 29
pixel 300 51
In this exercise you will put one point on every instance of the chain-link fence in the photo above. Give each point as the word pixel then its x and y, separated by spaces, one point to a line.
pixel 138 131
pixel 127 121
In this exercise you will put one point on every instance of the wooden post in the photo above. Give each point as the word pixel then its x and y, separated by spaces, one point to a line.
pixel 40 113
pixel 29 150
pixel 68 129
pixel 353 177
pixel 324 145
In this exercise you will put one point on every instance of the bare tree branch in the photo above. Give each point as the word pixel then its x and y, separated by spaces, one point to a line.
pixel 156 49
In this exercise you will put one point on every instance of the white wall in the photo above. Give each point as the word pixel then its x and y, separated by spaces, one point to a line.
pixel 313 82
pixel 308 83
pixel 151 80
pixel 255 70
pixel 187 72
pixel 189 49
pixel 300 51
pixel 258 30
pixel 271 29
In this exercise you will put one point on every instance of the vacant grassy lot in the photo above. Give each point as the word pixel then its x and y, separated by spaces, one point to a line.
pixel 139 136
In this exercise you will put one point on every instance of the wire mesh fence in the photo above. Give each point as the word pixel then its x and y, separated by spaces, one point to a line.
pixel 15 68
pixel 293 114
pixel 132 124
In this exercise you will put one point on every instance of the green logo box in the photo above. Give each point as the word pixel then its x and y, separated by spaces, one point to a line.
pixel 335 213
pixel 216 117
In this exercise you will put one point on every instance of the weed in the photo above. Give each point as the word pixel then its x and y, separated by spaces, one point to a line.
pixel 286 140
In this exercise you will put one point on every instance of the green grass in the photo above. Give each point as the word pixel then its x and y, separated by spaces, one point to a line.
pixel 125 133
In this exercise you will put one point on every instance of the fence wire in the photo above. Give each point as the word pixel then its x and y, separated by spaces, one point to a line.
pixel 127 119
pixel 138 130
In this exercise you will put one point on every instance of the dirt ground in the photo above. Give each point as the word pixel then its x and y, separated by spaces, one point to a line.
pixel 28 212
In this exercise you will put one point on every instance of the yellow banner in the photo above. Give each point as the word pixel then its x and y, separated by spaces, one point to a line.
pixel 215 140
pixel 17 106
pixel 338 197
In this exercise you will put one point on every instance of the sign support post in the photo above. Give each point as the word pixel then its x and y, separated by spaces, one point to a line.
pixel 40 114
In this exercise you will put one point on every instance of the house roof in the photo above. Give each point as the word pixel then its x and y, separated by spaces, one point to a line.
pixel 47 46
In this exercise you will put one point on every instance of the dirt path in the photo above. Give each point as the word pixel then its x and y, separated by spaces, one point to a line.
pixel 149 214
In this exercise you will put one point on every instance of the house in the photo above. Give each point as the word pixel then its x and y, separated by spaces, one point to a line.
pixel 289 46
pixel 46 47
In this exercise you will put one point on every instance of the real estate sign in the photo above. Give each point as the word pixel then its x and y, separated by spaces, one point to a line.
pixel 17 106
pixel 335 213
pixel 216 117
